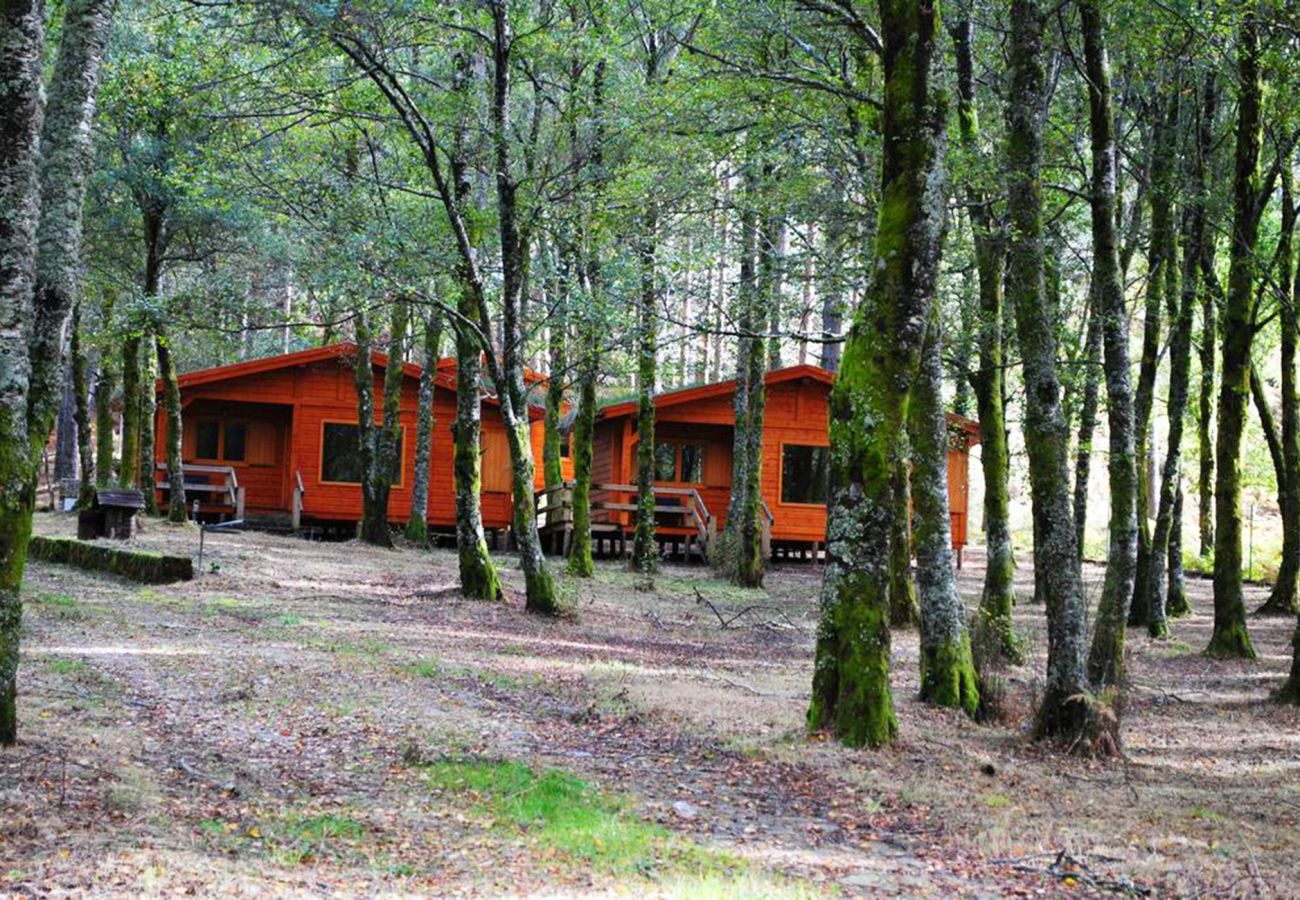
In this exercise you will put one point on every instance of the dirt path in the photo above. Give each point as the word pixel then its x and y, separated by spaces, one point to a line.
pixel 333 719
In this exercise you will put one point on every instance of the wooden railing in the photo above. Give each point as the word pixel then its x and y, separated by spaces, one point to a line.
pixel 226 492
pixel 554 507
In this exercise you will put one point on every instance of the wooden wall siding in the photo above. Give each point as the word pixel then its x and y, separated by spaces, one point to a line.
pixel 308 395
pixel 796 413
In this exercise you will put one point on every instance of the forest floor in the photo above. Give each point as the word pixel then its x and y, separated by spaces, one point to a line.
pixel 315 718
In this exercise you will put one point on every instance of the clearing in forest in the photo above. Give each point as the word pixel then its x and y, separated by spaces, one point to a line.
pixel 313 718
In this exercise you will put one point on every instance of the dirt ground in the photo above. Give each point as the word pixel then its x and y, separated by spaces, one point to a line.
pixel 329 719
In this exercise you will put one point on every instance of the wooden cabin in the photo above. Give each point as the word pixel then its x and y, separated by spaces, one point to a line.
pixel 694 430
pixel 275 440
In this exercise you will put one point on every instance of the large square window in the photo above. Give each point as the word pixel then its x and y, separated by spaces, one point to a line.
pixel 805 473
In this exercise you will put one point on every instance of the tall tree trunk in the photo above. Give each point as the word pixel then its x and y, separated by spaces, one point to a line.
pixel 1106 659
pixel 417 523
pixel 370 530
pixel 1165 591
pixel 645 551
pixel 552 469
pixel 988 381
pixel 833 288
pixel 22 27
pixel 478 574
pixel 1161 262
pixel 869 400
pixel 65 428
pixel 1056 559
pixel 1282 600
pixel 172 403
pixel 147 475
pixel 389 451
pixel 1087 419
pixel 749 555
pixel 1230 638
pixel 777 239
pixel 105 385
pixel 1205 422
pixel 947 667
pixel 904 610
pixel 128 468
pixel 44 162
pixel 588 273
pixel 81 402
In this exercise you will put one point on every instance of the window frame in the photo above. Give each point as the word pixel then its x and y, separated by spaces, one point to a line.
pixel 356 423
pixel 780 482
pixel 679 444
pixel 221 423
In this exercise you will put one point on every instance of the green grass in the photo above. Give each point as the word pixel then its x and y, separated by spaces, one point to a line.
pixel 68 666
pixel 424 668
pixel 566 815
pixel 60 606
pixel 573 821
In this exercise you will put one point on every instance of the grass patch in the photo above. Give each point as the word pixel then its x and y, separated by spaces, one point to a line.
pixel 997 801
pixel 60 606
pixel 68 666
pixel 289 621
pixel 572 820
pixel 424 668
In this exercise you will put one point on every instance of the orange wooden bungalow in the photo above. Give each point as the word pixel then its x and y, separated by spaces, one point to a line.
pixel 275 440
pixel 694 432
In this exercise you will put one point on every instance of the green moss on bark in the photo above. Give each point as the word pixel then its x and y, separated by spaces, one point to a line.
pixel 948 675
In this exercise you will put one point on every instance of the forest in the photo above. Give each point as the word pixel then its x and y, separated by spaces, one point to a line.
pixel 674 448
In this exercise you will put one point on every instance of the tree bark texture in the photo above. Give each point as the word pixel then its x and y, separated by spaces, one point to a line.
pixel 1230 638
pixel 869 400
pixel 1106 659
pixel 417 523
pixel 176 511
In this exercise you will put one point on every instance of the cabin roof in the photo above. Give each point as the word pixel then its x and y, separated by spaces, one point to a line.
pixel 717 389
pixel 445 373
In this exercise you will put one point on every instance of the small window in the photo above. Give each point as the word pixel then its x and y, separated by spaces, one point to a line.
pixel 692 466
pixel 805 474
pixel 207 439
pixel 566 445
pixel 236 437
pixel 666 462
pixel 341 454
pixel 675 461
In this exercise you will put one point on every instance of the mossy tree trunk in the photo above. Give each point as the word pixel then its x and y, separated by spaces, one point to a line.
pixel 45 156
pixel 1088 408
pixel 1106 659
pixel 904 610
pixel 558 299
pixel 176 511
pixel 1230 638
pixel 81 404
pixel 388 439
pixel 645 551
pixel 749 548
pixel 869 400
pixel 363 380
pixel 947 666
pixel 1209 345
pixel 1282 599
pixel 1161 265
pixel 1164 587
pixel 128 467
pixel 586 270
pixel 146 474
pixel 988 381
pixel 1056 559
pixel 105 385
pixel 22 28
pixel 478 574
pixel 417 524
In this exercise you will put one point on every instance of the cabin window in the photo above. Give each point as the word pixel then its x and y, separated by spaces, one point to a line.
pixel 236 437
pixel 679 461
pixel 341 454
pixel 207 439
pixel 566 445
pixel 805 473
